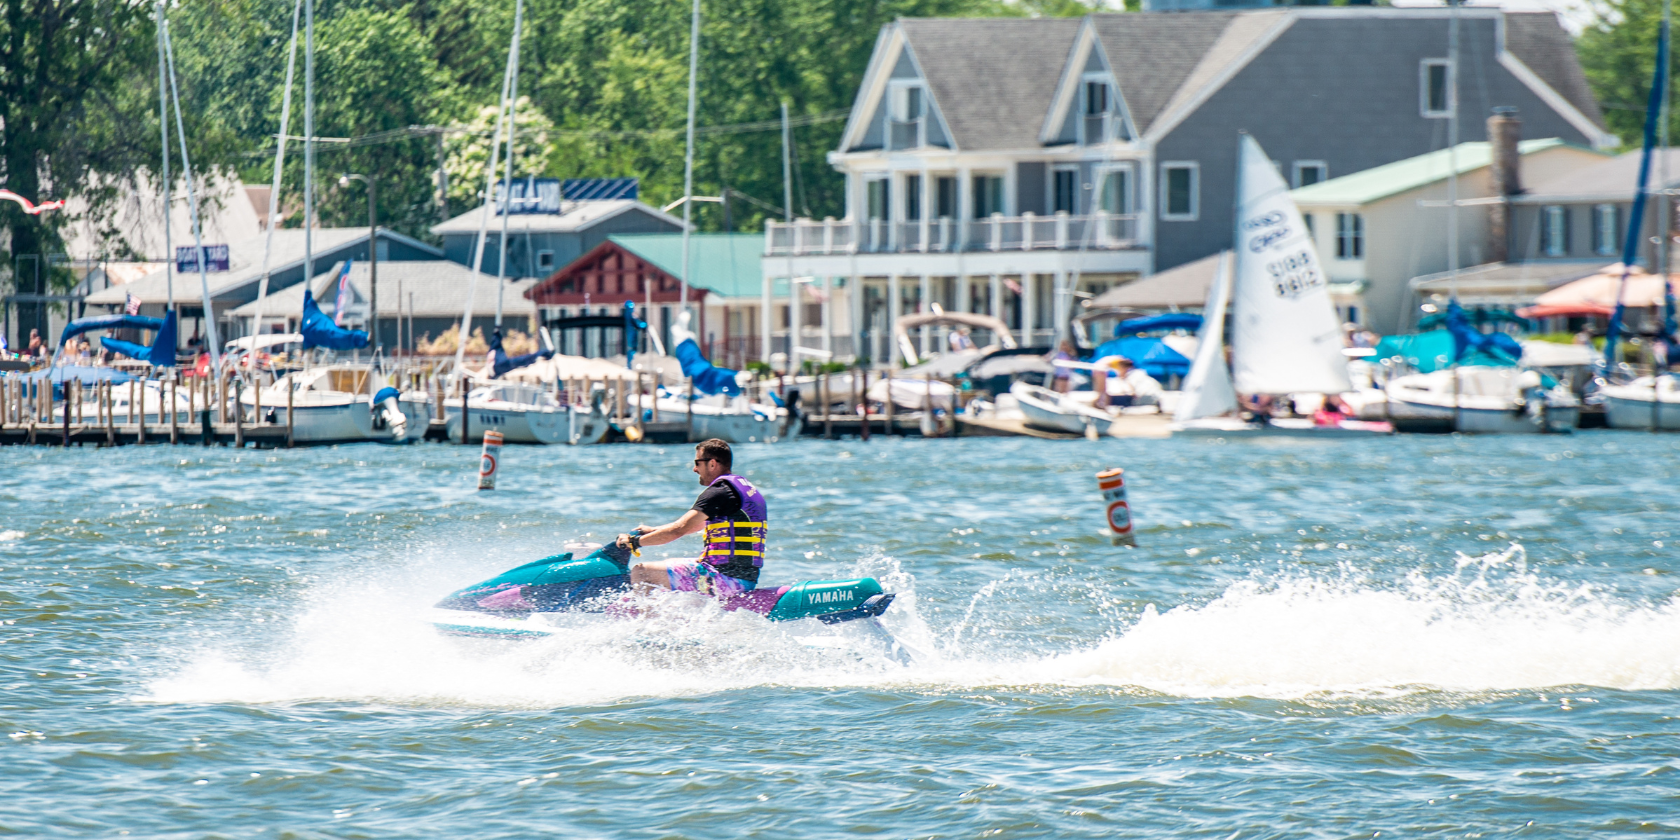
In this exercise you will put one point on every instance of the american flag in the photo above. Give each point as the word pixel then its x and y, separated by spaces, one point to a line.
pixel 342 305
pixel 1013 286
pixel 132 306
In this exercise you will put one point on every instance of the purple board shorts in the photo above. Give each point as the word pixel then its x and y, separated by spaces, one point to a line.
pixel 694 576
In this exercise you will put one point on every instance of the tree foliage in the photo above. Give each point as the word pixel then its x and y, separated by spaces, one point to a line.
pixel 68 95
pixel 1618 52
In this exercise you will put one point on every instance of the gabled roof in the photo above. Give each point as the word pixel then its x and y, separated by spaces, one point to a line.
pixel 991 77
pixel 725 263
pixel 438 287
pixel 574 216
pixel 987 78
pixel 245 259
pixel 1154 56
pixel 1541 44
pixel 1380 182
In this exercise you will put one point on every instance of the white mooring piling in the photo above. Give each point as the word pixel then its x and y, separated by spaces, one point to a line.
pixel 489 459
pixel 1112 483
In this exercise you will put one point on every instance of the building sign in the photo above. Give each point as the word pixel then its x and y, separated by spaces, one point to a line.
pixel 215 259
pixel 543 195
pixel 530 195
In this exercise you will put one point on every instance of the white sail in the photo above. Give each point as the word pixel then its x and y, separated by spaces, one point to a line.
pixel 1286 337
pixel 1207 389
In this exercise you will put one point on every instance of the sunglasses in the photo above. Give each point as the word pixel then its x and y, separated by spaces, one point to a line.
pixel 699 461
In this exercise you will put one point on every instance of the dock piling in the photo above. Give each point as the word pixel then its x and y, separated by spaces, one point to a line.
pixel 862 390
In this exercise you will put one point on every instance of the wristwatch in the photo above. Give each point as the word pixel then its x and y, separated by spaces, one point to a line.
pixel 635 540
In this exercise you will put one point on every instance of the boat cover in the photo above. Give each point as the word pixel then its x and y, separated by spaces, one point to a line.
pixel 160 354
pixel 1151 354
pixel 318 330
pixel 503 363
pixel 1169 321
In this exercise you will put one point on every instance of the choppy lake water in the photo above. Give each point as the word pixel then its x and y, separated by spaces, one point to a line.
pixel 1418 636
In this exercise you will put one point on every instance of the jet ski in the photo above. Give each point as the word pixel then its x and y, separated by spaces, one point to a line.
pixel 536 600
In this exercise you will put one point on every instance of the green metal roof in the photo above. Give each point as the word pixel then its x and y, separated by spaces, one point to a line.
pixel 725 263
pixel 1400 176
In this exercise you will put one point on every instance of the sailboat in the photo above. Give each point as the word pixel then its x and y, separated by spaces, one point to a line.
pixel 1285 336
pixel 1647 402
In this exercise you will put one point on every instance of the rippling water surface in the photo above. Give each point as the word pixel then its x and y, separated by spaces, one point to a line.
pixel 1415 636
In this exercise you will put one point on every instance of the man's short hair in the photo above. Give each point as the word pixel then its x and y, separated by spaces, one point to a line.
pixel 715 449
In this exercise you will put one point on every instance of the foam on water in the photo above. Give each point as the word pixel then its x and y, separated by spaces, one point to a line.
pixel 1489 625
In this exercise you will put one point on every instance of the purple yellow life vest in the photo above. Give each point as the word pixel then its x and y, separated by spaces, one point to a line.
pixel 729 542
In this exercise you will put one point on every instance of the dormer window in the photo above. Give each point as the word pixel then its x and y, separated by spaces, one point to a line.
pixel 1097 117
pixel 908 115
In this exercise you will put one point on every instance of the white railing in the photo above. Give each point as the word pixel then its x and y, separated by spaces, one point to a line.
pixel 1028 232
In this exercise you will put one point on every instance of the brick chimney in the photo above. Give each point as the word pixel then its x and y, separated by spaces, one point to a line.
pixel 1504 130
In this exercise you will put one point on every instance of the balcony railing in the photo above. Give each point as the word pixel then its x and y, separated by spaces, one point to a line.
pixel 1028 232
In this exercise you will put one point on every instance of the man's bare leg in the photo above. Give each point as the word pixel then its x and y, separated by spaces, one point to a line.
pixel 644 577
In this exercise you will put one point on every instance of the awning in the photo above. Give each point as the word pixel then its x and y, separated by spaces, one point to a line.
pixel 1599 290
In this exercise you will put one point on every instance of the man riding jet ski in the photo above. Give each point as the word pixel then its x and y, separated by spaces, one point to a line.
pixel 732 512
pixel 734 516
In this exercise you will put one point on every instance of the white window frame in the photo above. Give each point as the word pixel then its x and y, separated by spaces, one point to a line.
pixel 1004 203
pixel 1102 175
pixel 1608 241
pixel 898 100
pixel 1050 199
pixel 1554 244
pixel 1195 170
pixel 1354 237
pixel 1423 88
pixel 1303 165
pixel 1107 113
pixel 869 182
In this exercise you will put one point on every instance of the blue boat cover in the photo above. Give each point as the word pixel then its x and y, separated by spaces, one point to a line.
pixel 160 354
pixel 1471 346
pixel 108 322
pixel 631 336
pixel 385 393
pixel 707 379
pixel 1151 354
pixel 1169 321
pixel 319 331
pixel 503 363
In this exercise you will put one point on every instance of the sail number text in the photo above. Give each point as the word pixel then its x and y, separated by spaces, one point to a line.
pixel 1294 275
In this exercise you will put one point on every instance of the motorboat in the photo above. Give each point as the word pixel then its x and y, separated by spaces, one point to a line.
pixel 522 412
pixel 1647 402
pixel 1483 399
pixel 339 403
pixel 591 582
pixel 735 419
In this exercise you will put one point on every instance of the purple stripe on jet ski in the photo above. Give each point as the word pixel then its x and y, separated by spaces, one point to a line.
pixel 760 601
pixel 511 598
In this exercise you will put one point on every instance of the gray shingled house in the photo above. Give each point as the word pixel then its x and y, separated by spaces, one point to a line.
pixel 1013 166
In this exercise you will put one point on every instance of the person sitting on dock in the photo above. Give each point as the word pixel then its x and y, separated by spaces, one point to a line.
pixel 734 517
pixel 1128 384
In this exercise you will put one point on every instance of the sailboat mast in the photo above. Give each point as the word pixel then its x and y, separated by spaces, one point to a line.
pixel 1663 202
pixel 279 168
pixel 1452 149
pixel 308 143
pixel 163 128
pixel 209 316
pixel 507 176
pixel 489 204
pixel 688 153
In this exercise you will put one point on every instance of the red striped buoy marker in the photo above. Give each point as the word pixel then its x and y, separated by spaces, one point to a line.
pixel 1112 483
pixel 487 461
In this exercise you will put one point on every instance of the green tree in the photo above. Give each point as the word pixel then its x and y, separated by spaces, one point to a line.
pixel 1618 53
pixel 72 120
